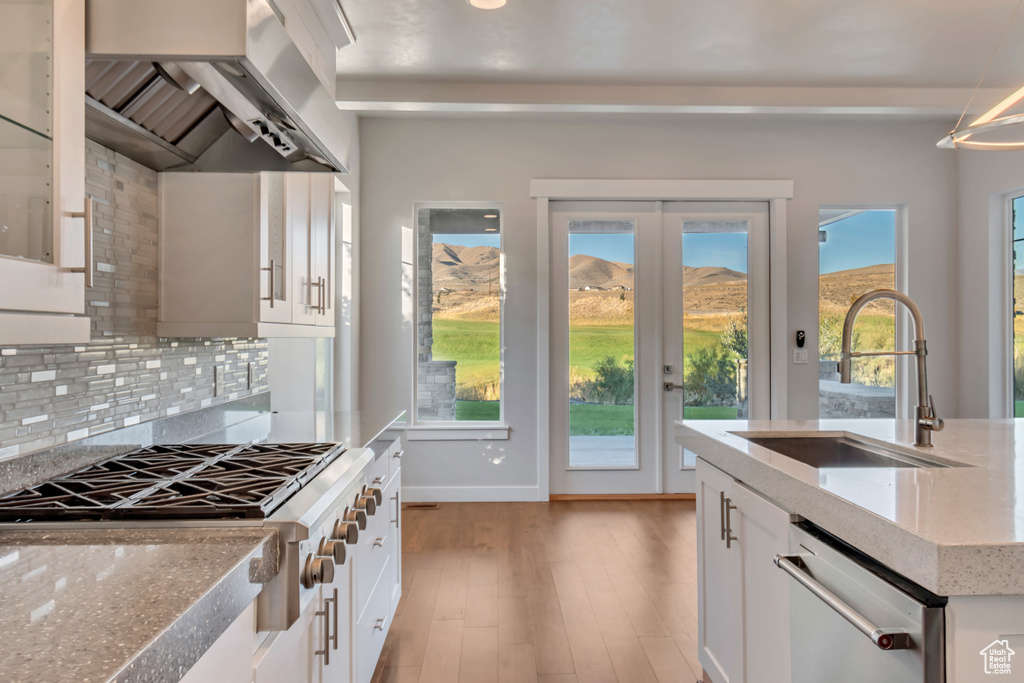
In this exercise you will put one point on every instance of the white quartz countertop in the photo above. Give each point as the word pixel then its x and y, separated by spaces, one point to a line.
pixel 953 530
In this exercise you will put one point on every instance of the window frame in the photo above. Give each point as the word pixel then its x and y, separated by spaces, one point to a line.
pixel 905 399
pixel 1010 404
pixel 445 430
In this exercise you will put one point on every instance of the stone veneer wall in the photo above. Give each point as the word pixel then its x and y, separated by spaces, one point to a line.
pixel 49 395
pixel 435 391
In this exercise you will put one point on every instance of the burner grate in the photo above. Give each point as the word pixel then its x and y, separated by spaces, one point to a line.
pixel 175 482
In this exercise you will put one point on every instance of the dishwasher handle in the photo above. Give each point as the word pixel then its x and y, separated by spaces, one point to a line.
pixel 884 638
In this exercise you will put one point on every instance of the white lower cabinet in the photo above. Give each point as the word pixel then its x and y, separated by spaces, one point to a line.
pixel 221 662
pixel 743 599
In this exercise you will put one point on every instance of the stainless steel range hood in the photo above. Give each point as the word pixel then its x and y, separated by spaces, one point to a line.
pixel 207 85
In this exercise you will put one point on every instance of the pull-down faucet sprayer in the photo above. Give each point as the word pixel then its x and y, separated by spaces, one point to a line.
pixel 926 419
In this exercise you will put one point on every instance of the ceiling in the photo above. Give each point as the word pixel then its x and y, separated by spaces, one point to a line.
pixel 530 50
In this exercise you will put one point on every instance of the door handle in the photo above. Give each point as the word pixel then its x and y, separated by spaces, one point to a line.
pixel 271 283
pixel 729 538
pixel 669 386
pixel 884 638
pixel 87 215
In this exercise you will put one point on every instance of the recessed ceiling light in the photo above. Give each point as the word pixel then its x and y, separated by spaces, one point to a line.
pixel 487 4
pixel 490 230
pixel 490 215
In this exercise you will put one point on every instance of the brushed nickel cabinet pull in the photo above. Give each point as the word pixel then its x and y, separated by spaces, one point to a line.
pixel 272 269
pixel 729 538
pixel 87 215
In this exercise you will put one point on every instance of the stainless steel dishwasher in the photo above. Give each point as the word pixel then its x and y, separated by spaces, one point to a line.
pixel 854 620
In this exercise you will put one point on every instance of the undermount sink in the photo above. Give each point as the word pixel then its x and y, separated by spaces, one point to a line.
pixel 840 451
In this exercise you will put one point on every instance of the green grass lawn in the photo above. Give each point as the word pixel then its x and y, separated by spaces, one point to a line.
pixel 1018 408
pixel 475 345
pixel 589 420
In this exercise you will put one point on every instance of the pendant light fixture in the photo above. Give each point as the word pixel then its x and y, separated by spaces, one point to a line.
pixel 997 129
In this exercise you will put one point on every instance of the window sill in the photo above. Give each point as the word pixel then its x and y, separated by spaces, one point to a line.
pixel 456 432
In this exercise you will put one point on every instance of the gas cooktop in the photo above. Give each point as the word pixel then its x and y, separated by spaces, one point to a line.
pixel 193 482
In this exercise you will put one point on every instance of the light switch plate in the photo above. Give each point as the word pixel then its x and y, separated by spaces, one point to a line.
pixel 800 356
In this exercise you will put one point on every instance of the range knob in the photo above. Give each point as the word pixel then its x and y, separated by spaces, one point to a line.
pixel 345 531
pixel 332 549
pixel 366 503
pixel 378 495
pixel 357 516
pixel 317 570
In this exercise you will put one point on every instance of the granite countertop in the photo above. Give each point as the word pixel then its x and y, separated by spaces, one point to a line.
pixel 123 605
pixel 953 530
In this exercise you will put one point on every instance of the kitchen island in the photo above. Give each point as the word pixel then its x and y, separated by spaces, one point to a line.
pixel 956 530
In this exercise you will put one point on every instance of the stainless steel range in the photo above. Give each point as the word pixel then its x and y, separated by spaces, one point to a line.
pixel 316 495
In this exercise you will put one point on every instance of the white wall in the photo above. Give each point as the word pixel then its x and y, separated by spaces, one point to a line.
pixel 985 180
pixel 831 162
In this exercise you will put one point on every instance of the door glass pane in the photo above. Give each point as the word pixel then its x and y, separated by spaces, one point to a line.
pixel 601 350
pixel 26 137
pixel 715 366
pixel 1018 307
pixel 857 253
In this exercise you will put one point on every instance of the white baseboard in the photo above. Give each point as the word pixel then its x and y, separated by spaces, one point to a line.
pixel 469 494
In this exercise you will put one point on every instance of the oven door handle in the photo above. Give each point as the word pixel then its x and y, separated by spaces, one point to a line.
pixel 884 638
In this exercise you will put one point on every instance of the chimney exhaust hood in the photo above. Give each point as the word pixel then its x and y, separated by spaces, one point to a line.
pixel 207 85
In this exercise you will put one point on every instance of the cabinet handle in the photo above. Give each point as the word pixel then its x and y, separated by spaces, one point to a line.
pixel 721 513
pixel 379 625
pixel 729 538
pixel 272 269
pixel 326 614
pixel 399 454
pixel 323 296
pixel 379 542
pixel 334 638
pixel 87 215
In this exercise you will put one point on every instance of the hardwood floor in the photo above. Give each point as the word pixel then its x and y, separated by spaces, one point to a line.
pixel 561 592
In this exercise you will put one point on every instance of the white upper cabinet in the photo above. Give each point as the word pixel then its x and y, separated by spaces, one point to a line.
pixel 246 255
pixel 43 233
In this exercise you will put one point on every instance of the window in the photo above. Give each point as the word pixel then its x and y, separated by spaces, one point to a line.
pixel 1017 283
pixel 857 253
pixel 459 297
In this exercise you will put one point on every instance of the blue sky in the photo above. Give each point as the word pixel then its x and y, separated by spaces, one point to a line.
pixel 866 239
pixel 470 240
pixel 610 247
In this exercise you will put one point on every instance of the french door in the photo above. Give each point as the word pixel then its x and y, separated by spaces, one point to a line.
pixel 658 309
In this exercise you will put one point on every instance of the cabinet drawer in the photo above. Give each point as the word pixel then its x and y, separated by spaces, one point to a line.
pixel 372 630
pixel 377 472
pixel 394 458
pixel 372 556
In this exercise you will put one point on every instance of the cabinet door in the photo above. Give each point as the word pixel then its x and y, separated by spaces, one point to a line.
pixel 274 269
pixel 322 245
pixel 290 656
pixel 42 156
pixel 229 659
pixel 304 291
pixel 720 591
pixel 763 532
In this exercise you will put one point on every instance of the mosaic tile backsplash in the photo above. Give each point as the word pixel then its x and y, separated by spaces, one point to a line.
pixel 53 394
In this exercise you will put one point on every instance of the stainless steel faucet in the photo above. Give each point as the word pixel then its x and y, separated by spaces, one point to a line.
pixel 927 421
